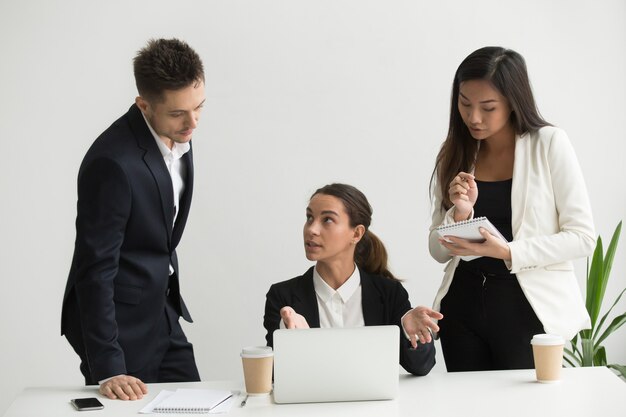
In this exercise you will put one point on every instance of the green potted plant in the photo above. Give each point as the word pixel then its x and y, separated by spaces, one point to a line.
pixel 586 347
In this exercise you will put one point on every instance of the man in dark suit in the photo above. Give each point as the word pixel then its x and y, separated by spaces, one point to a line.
pixel 122 301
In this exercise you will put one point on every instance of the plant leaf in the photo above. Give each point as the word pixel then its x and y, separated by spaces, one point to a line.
pixel 591 352
pixel 595 284
pixel 571 358
pixel 574 344
pixel 599 358
pixel 598 276
pixel 610 251
pixel 599 326
pixel 569 362
pixel 587 345
pixel 619 368
pixel 615 324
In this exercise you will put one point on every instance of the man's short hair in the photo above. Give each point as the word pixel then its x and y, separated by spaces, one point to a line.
pixel 166 64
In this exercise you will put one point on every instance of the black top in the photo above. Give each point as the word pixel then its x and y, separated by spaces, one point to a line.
pixel 494 202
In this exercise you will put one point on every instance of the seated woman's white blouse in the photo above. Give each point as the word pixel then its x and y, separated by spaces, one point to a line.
pixel 341 307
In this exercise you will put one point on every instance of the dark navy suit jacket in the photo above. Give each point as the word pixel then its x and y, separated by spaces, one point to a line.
pixel 384 302
pixel 125 242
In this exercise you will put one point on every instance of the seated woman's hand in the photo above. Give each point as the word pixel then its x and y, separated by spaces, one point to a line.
pixel 292 319
pixel 418 323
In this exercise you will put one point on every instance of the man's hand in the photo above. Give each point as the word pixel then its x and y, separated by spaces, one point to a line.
pixel 292 319
pixel 124 387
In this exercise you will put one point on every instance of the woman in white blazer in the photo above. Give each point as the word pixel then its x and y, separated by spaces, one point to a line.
pixel 502 160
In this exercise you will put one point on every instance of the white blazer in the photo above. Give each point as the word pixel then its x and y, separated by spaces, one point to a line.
pixel 552 224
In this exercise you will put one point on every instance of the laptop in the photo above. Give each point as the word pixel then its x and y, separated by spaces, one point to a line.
pixel 338 364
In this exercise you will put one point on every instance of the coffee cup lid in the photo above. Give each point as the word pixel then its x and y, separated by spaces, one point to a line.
pixel 547 340
pixel 256 352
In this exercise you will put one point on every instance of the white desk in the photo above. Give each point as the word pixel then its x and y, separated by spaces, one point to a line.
pixel 582 392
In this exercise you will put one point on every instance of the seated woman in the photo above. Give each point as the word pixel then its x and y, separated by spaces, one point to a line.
pixel 350 285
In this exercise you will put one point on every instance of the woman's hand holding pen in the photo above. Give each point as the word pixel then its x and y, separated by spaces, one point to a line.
pixel 463 193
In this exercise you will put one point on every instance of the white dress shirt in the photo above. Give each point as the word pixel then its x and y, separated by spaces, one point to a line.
pixel 174 164
pixel 341 307
pixel 176 167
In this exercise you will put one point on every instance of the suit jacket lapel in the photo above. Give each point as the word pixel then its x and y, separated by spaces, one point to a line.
pixel 305 300
pixel 373 307
pixel 155 163
pixel 519 188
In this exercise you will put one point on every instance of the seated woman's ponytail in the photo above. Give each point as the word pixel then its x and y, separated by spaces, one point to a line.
pixel 370 253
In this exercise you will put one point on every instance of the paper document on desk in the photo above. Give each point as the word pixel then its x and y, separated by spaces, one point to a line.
pixel 165 396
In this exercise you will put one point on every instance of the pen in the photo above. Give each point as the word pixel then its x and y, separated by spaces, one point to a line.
pixel 243 403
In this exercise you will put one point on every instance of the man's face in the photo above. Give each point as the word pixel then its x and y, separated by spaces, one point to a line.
pixel 175 117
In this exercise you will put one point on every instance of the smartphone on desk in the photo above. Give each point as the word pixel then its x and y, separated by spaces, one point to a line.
pixel 85 404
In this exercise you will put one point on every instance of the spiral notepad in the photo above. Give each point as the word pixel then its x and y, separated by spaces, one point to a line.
pixel 469 229
pixel 192 401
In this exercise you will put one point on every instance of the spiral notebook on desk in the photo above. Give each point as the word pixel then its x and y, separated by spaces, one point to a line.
pixel 469 229
pixel 189 400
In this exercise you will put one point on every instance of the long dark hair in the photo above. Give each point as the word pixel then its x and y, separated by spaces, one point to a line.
pixel 506 70
pixel 370 253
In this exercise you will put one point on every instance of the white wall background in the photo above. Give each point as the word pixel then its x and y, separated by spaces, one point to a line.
pixel 299 94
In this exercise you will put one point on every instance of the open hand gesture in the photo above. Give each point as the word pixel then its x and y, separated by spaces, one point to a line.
pixel 418 323
pixel 292 319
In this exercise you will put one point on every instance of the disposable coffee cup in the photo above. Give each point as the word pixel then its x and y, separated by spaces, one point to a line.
pixel 548 355
pixel 257 369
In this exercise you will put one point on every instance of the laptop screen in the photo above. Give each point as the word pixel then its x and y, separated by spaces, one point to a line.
pixel 338 364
